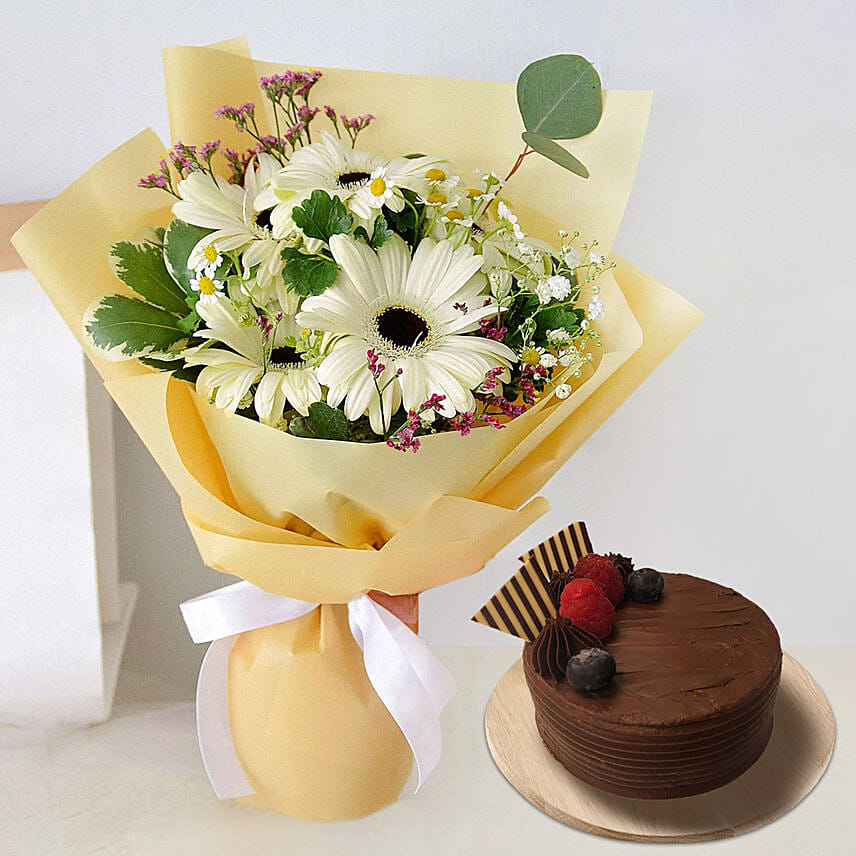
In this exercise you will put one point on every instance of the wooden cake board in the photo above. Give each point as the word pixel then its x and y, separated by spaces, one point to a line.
pixel 792 764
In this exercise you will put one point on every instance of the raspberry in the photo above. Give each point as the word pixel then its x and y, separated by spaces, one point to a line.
pixel 600 570
pixel 584 604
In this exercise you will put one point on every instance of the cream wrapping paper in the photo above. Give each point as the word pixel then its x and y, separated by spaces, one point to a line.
pixel 334 520
pixel 412 683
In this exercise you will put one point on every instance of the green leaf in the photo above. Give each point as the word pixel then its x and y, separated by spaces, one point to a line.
pixel 554 317
pixel 135 327
pixel 322 215
pixel 179 239
pixel 560 97
pixel 162 365
pixel 545 146
pixel 323 423
pixel 414 155
pixel 307 274
pixel 380 233
pixel 190 322
pixel 404 222
pixel 176 367
pixel 141 267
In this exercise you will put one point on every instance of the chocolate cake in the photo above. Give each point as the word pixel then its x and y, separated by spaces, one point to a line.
pixel 691 704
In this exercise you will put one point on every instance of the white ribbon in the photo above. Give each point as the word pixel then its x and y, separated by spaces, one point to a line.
pixel 411 682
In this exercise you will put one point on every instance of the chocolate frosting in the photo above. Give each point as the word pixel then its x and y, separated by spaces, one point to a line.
pixel 557 585
pixel 557 642
pixel 691 705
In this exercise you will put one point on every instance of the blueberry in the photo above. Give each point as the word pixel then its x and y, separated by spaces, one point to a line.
pixel 644 585
pixel 591 670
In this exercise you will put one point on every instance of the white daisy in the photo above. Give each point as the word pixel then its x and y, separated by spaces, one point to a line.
pixel 413 313
pixel 205 283
pixel 229 375
pixel 212 258
pixel 339 170
pixel 235 215
pixel 380 190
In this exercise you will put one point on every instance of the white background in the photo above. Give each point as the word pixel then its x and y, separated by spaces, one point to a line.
pixel 734 461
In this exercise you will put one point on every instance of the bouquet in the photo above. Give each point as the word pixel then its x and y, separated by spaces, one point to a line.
pixel 298 293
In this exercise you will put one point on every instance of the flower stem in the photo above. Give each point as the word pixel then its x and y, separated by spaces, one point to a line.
pixel 517 164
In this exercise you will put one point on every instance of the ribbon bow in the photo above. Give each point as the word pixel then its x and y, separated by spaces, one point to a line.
pixel 411 682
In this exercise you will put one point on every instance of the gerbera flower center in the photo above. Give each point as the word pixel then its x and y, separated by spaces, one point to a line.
pixel 284 357
pixel 352 180
pixel 263 218
pixel 402 327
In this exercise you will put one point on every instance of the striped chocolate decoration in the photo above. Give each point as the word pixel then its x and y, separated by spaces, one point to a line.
pixel 523 605
pixel 561 552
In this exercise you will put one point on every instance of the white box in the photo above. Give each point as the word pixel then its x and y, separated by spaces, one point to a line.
pixel 64 616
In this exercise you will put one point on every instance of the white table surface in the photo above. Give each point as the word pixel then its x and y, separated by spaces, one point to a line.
pixel 135 785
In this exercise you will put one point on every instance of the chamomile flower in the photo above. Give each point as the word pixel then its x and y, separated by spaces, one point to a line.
pixel 456 217
pixel 334 167
pixel 438 198
pixel 380 189
pixel 407 312
pixel 207 286
pixel 212 258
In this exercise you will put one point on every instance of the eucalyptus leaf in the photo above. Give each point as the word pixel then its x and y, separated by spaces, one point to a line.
pixel 179 240
pixel 322 216
pixel 131 327
pixel 560 97
pixel 307 274
pixel 552 150
pixel 141 267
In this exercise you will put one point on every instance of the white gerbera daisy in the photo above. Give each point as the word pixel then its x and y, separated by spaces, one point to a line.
pixel 282 376
pixel 233 212
pixel 337 169
pixel 413 313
